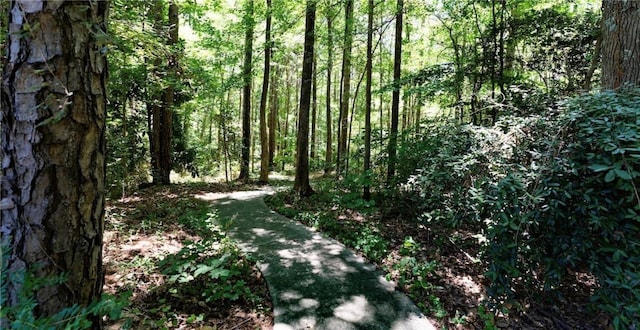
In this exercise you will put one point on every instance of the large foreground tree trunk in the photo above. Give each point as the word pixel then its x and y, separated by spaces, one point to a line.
pixel 53 148
pixel 620 43
pixel 301 184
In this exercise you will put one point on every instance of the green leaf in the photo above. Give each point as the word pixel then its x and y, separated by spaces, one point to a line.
pixel 611 175
pixel 622 174
pixel 202 269
pixel 599 167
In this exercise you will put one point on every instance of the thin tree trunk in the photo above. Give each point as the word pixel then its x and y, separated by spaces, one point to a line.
pixel 314 109
pixel 246 104
pixel 346 87
pixel 264 139
pixel 301 184
pixel 395 103
pixel 367 103
pixel 273 119
pixel 53 159
pixel 287 105
pixel 329 148
pixel 594 62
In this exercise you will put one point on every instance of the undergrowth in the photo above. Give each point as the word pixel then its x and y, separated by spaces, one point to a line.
pixel 20 314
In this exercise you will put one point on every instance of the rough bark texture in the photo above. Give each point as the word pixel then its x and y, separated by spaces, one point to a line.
pixel 395 102
pixel 346 87
pixel 246 97
pixel 264 139
pixel 301 184
pixel 620 43
pixel 53 148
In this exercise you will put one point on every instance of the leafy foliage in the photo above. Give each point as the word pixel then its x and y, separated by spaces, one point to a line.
pixel 576 207
pixel 19 314
pixel 211 267
pixel 550 196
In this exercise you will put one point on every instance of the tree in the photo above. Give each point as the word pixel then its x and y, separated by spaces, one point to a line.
pixel 264 139
pixel 301 185
pixel 169 96
pixel 162 96
pixel 246 91
pixel 329 147
pixel 367 112
pixel 395 103
pixel 346 87
pixel 620 43
pixel 53 149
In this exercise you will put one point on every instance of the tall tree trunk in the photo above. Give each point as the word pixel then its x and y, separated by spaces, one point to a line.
pixel 284 153
pixel 620 43
pixel 367 112
pixel 169 97
pixel 246 98
pixel 329 148
pixel 155 102
pixel 273 119
pixel 346 87
pixel 395 102
pixel 264 139
pixel 314 109
pixel 53 150
pixel 301 184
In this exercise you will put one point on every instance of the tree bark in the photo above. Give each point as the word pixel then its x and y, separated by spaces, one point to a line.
pixel 264 139
pixel 328 159
pixel 273 119
pixel 154 103
pixel 301 184
pixel 314 109
pixel 367 112
pixel 169 97
pixel 395 102
pixel 53 149
pixel 346 87
pixel 246 98
pixel 620 43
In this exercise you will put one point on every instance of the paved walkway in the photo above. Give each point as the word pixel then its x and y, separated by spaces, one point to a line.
pixel 315 282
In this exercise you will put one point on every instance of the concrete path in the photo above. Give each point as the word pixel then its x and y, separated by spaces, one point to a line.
pixel 315 282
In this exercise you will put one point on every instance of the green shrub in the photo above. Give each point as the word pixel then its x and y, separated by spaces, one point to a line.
pixel 19 315
pixel 574 205
pixel 210 268
pixel 370 243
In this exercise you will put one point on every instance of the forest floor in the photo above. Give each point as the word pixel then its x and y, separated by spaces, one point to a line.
pixel 439 267
pixel 159 223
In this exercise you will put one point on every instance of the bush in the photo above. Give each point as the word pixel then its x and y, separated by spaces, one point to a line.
pixel 574 205
pixel 19 314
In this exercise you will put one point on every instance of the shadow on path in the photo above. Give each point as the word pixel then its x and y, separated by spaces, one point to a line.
pixel 315 282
